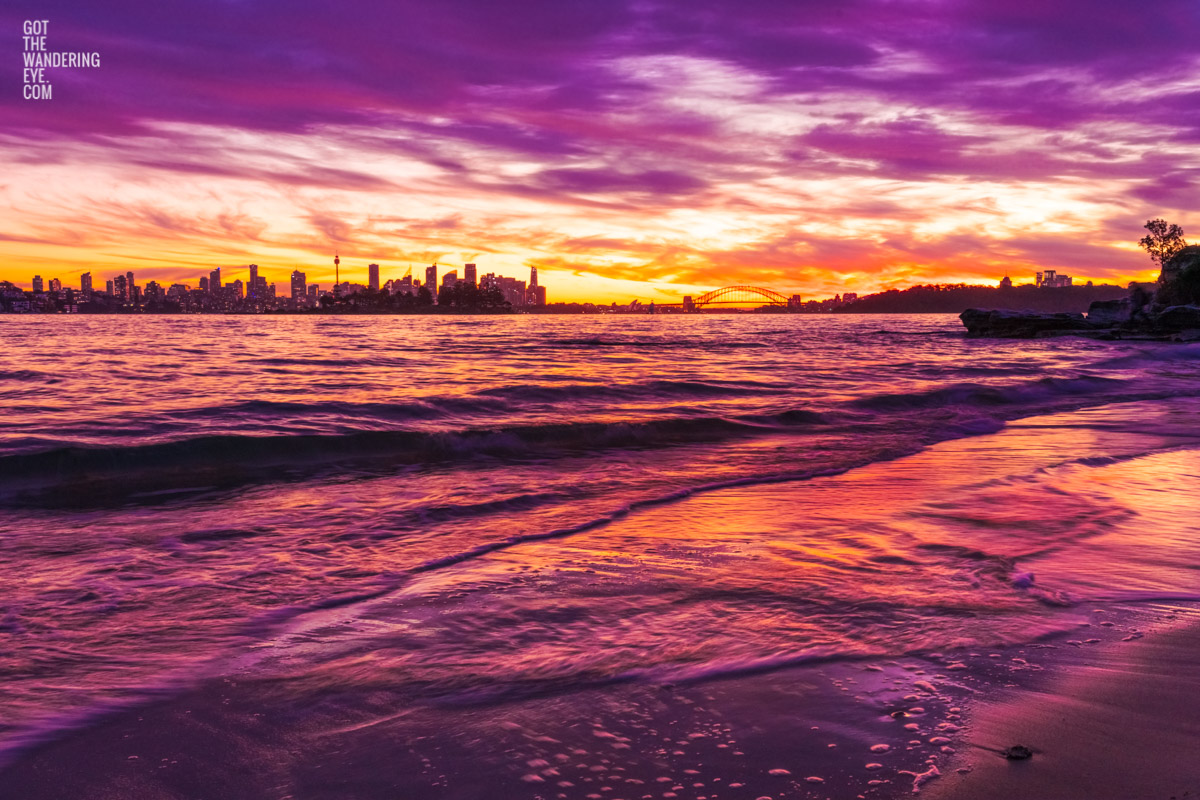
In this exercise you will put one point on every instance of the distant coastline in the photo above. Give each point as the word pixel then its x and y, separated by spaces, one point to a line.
pixel 925 299
pixel 956 298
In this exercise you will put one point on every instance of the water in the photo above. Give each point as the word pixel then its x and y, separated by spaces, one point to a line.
pixel 378 514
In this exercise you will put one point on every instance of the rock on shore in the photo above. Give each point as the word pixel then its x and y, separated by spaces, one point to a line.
pixel 1007 324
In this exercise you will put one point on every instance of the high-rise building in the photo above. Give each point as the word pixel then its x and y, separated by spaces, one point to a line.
pixel 237 288
pixel 121 288
pixel 450 279
pixel 298 288
pixel 431 278
pixel 37 283
pixel 469 273
pixel 130 288
pixel 532 277
pixel 536 295
pixel 214 280
pixel 109 288
pixel 373 277
pixel 511 289
pixel 55 285
pixel 85 283
pixel 204 284
pixel 314 292
pixel 252 286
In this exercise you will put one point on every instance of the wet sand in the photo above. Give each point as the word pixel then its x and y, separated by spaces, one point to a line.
pixel 1124 723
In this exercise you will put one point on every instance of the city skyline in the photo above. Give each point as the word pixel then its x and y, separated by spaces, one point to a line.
pixel 624 150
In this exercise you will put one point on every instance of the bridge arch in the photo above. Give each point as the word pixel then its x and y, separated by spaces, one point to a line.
pixel 741 294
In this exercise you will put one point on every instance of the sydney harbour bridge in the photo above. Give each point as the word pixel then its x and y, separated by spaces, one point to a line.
pixel 737 296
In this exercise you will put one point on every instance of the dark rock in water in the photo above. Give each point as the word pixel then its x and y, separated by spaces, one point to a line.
pixel 1007 324
pixel 1179 282
pixel 1018 752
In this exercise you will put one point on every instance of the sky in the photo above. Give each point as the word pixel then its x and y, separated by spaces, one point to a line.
pixel 627 149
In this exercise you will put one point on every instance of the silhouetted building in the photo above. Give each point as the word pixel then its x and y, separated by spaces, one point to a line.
pixel 1050 279
pixel 130 288
pixel 55 285
pixel 109 288
pixel 431 278
pixel 404 285
pixel 1006 282
pixel 85 283
pixel 37 284
pixel 373 277
pixel 450 279
pixel 314 293
pixel 236 289
pixel 214 280
pixel 511 289
pixel 689 305
pixel 204 284
pixel 532 277
pixel 120 288
pixel 469 273
pixel 299 290
pixel 536 294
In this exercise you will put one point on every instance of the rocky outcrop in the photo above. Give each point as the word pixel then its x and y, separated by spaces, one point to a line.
pixel 1006 324
pixel 1179 282
pixel 1172 312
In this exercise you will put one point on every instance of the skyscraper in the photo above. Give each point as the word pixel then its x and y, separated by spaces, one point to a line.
pixel 431 279
pixel 37 283
pixel 469 273
pixel 252 287
pixel 532 277
pixel 373 277
pixel 337 274
pixel 204 284
pixel 85 283
pixel 129 287
pixel 298 288
pixel 214 280
pixel 121 288
pixel 55 285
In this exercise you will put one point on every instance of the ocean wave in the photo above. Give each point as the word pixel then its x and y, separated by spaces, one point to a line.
pixel 982 395
pixel 675 343
pixel 659 389
pixel 222 460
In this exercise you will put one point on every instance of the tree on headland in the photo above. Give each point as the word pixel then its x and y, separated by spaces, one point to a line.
pixel 1163 242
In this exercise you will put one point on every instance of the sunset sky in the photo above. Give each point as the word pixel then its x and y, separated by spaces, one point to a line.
pixel 629 149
